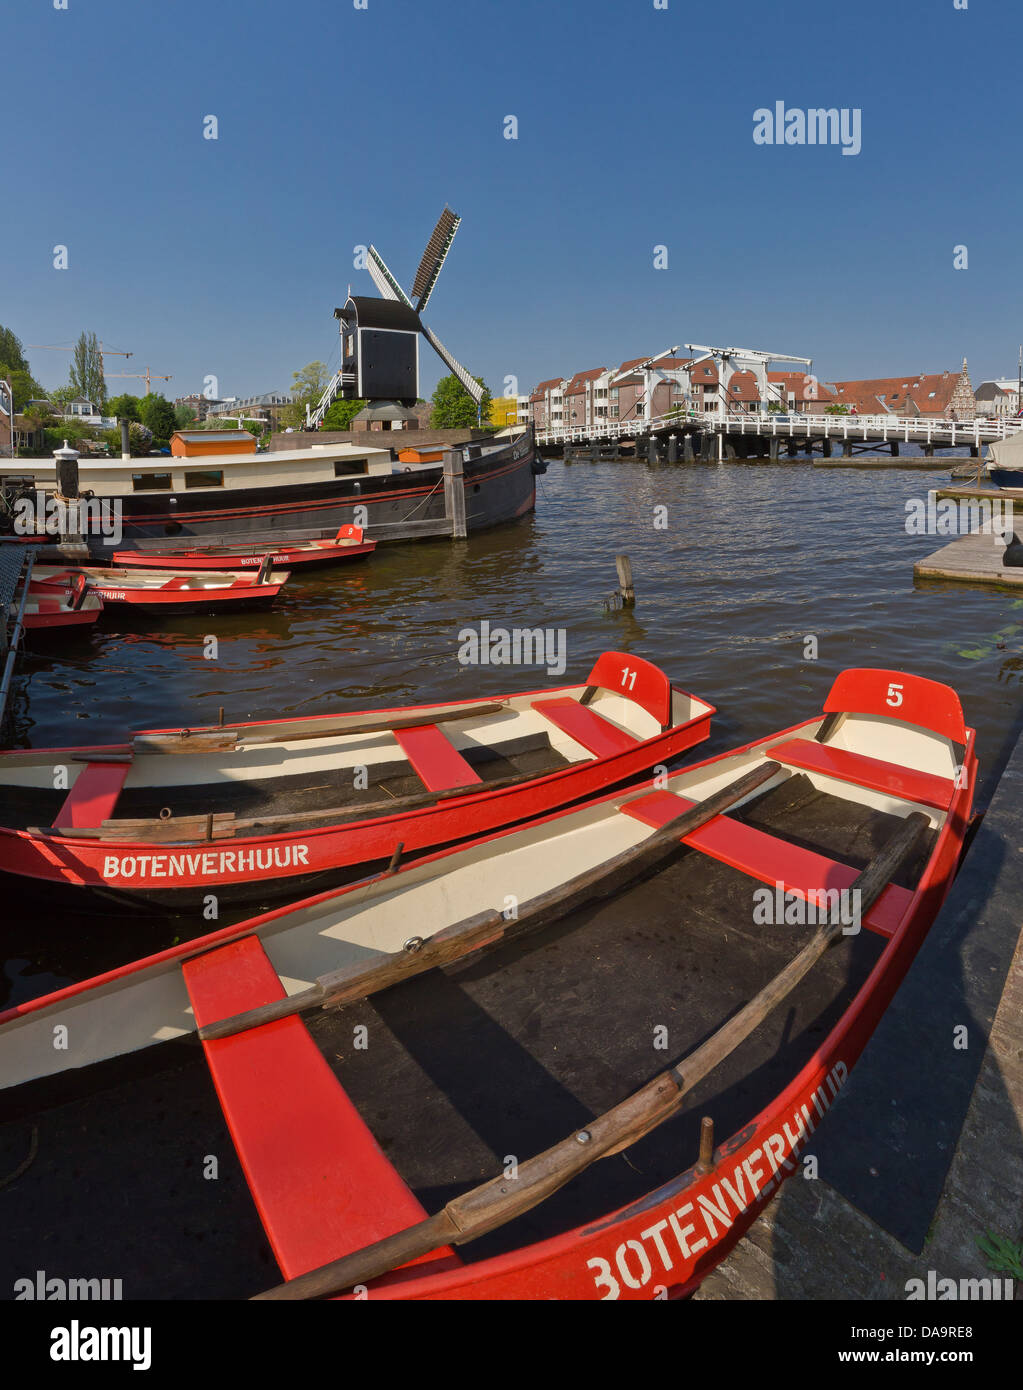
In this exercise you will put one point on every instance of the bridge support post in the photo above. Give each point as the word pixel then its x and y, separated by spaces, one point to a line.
pixel 774 448
pixel 792 448
pixel 651 448
pixel 707 449
pixel 687 448
pixel 974 451
pixel 928 451
pixel 895 448
pixel 847 451
pixel 672 448
pixel 825 448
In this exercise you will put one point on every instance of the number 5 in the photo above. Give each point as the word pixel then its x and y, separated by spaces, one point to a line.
pixel 894 696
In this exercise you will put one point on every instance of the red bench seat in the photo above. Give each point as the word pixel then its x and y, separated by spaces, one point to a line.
pixel 924 788
pixel 320 1181
pixel 596 734
pixel 770 859
pixel 438 763
pixel 93 796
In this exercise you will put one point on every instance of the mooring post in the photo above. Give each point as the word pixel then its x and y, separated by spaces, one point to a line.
pixel 672 448
pixel 651 448
pixel 454 492
pixel 687 448
pixel 70 542
pixel 895 448
pixel 625 590
pixel 847 450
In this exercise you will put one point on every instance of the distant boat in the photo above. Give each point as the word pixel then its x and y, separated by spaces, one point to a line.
pixel 167 589
pixel 1005 461
pixel 74 607
pixel 349 544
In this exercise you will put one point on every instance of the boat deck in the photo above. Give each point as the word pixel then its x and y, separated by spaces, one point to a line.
pixel 558 1027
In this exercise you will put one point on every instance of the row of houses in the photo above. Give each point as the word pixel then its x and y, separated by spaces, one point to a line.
pixel 602 394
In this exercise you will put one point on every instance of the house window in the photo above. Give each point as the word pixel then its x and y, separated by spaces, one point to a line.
pixel 150 482
pixel 207 477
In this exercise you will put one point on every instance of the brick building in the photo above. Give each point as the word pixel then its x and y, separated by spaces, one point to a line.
pixel 943 396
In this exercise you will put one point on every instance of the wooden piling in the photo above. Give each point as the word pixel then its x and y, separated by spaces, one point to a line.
pixel 454 492
pixel 626 591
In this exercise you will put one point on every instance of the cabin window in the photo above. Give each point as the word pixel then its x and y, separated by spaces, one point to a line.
pixel 150 482
pixel 348 468
pixel 206 477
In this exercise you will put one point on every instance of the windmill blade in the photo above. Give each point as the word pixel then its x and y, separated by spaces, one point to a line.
pixel 384 280
pixel 470 383
pixel 434 257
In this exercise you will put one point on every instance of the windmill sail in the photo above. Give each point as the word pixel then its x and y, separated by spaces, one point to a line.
pixel 434 257
pixel 383 279
pixel 470 383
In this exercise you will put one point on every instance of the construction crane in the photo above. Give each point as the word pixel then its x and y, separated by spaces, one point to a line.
pixel 103 352
pixel 145 376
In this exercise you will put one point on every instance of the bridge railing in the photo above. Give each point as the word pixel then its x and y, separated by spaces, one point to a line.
pixel 861 428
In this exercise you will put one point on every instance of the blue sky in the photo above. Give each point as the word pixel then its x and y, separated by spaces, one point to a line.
pixel 340 126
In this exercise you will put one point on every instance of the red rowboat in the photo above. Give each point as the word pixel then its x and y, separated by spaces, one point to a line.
pixel 166 590
pixel 348 544
pixel 258 811
pixel 73 607
pixel 802 870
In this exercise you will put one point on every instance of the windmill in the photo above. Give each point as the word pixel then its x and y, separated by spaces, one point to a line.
pixel 380 337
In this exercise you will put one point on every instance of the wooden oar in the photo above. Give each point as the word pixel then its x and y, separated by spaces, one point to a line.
pixel 216 740
pixel 494 1203
pixel 484 928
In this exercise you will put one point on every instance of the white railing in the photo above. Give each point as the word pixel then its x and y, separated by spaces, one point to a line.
pixel 852 428
pixel 314 417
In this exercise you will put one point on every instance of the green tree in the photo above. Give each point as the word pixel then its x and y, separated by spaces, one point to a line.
pixel 12 354
pixel 140 440
pixel 23 385
pixel 454 408
pixel 157 414
pixel 184 416
pixel 15 369
pixel 87 371
pixel 307 386
pixel 124 407
pixel 836 409
pixel 340 414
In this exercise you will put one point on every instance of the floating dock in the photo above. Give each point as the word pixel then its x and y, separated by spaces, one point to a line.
pixel 923 1155
pixel 976 558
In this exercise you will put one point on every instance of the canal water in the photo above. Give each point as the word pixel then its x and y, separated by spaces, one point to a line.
pixel 736 566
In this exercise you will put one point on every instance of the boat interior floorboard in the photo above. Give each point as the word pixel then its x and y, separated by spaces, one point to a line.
pixel 501 1055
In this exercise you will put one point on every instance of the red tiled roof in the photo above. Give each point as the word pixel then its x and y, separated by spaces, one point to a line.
pixel 578 382
pixel 544 386
pixel 930 394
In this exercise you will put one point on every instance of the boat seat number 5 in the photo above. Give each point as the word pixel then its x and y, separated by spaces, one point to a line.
pixel 894 696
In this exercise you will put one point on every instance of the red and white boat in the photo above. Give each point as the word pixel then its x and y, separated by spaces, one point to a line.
pixel 73 606
pixel 778 895
pixel 167 590
pixel 259 811
pixel 349 544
